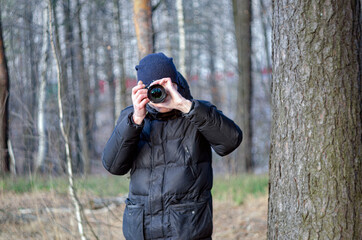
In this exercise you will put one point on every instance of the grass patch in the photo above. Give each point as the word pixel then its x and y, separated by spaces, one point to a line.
pixel 237 188
pixel 96 185
pixel 234 188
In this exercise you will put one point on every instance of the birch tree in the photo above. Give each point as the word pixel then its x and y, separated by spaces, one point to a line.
pixel 41 93
pixel 72 192
pixel 316 151
pixel 120 96
pixel 182 38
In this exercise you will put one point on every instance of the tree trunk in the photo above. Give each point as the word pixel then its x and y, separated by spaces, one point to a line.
pixel 73 111
pixel 41 93
pixel 67 103
pixel 93 37
pixel 31 101
pixel 143 25
pixel 214 89
pixel 109 69
pixel 84 89
pixel 72 191
pixel 4 106
pixel 315 161
pixel 242 20
pixel 121 95
pixel 182 39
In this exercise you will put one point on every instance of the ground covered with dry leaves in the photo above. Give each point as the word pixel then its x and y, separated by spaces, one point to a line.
pixel 48 215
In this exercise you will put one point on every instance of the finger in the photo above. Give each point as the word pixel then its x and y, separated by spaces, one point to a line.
pixel 156 82
pixel 140 97
pixel 144 102
pixel 137 87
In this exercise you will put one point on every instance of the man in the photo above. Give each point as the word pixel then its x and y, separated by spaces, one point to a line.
pixel 167 147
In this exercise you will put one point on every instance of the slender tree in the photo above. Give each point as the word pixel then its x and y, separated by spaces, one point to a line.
pixel 84 90
pixel 41 93
pixel 4 106
pixel 315 162
pixel 120 96
pixel 143 26
pixel 242 20
pixel 72 191
pixel 182 38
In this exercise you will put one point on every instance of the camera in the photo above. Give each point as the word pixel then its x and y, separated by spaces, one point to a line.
pixel 156 93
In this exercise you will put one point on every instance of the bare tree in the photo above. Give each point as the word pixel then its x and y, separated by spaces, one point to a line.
pixel 315 163
pixel 4 106
pixel 120 96
pixel 182 38
pixel 72 191
pixel 242 19
pixel 143 25
pixel 84 89
pixel 41 93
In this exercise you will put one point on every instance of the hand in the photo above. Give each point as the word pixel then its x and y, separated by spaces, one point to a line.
pixel 139 101
pixel 174 99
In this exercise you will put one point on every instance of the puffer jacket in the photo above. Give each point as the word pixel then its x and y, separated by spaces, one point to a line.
pixel 169 157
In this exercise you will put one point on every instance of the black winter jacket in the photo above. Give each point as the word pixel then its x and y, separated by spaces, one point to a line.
pixel 169 156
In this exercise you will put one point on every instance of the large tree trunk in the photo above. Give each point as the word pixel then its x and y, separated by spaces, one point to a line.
pixel 4 106
pixel 242 20
pixel 143 25
pixel 315 162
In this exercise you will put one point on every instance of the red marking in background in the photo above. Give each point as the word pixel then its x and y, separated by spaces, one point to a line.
pixel 101 84
pixel 131 82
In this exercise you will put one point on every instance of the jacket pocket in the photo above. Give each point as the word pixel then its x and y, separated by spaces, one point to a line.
pixel 133 222
pixel 191 220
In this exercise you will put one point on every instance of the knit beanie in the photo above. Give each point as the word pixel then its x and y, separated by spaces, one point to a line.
pixel 156 66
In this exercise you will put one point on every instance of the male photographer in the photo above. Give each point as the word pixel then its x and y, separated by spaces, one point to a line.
pixel 167 147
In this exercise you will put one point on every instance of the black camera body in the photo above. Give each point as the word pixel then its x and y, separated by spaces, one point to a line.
pixel 156 93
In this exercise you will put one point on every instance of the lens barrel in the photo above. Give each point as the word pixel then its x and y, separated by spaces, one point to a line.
pixel 156 93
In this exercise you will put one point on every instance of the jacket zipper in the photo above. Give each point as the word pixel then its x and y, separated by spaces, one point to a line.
pixel 190 164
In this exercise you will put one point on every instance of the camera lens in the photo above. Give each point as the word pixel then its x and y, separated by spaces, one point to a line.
pixel 156 93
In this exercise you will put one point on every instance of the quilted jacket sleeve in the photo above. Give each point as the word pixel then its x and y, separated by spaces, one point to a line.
pixel 117 153
pixel 222 133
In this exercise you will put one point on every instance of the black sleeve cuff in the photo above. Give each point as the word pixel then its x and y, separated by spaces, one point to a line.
pixel 133 124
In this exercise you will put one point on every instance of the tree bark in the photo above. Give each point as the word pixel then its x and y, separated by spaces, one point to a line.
pixel 84 89
pixel 242 20
pixel 121 95
pixel 4 106
pixel 73 111
pixel 182 39
pixel 315 161
pixel 41 93
pixel 109 69
pixel 143 25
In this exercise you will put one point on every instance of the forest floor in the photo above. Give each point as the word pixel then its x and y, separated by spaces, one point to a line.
pixel 47 215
